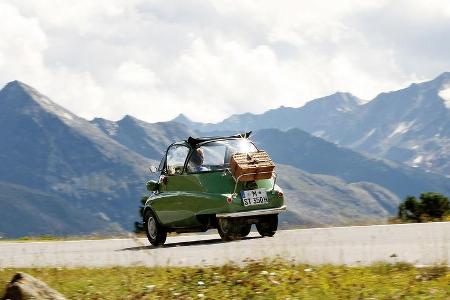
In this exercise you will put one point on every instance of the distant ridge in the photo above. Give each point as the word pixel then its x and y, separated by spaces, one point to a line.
pixel 284 117
pixel 148 139
pixel 411 125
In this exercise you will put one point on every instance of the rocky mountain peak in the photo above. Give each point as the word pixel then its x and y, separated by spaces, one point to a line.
pixel 18 90
pixel 433 85
pixel 15 91
pixel 15 83
pixel 128 120
pixel 340 101
pixel 20 97
pixel 182 118
pixel 344 97
pixel 99 120
pixel 443 76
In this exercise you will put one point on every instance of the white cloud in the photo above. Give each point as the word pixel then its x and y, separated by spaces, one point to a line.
pixel 445 96
pixel 209 59
pixel 136 75
pixel 22 43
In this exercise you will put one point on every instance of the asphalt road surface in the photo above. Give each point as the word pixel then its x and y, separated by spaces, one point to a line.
pixel 419 244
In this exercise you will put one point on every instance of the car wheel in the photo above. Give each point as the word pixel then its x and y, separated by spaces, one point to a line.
pixel 267 225
pixel 245 230
pixel 155 232
pixel 229 230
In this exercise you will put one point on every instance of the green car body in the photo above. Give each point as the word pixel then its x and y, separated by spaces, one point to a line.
pixel 184 201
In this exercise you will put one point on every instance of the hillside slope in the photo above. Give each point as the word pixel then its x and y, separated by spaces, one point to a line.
pixel 44 147
pixel 28 212
pixel 314 155
pixel 317 200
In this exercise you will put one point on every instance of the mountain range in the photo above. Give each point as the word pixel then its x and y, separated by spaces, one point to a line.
pixel 62 174
pixel 410 126
pixel 60 158
pixel 149 140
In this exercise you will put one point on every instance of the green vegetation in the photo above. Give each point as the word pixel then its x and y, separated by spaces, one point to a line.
pixel 429 207
pixel 256 280
pixel 53 238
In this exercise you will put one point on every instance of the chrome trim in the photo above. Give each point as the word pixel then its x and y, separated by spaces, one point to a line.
pixel 151 227
pixel 259 212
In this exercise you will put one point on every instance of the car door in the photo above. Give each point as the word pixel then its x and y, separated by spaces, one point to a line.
pixel 176 207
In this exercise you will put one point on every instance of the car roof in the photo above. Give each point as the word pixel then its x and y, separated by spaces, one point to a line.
pixel 195 142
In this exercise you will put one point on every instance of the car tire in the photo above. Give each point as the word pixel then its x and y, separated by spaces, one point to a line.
pixel 267 226
pixel 229 229
pixel 245 230
pixel 155 232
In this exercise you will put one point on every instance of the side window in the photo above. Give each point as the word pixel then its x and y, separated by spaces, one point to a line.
pixel 207 158
pixel 176 156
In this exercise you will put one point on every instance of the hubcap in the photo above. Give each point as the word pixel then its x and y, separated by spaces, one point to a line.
pixel 225 225
pixel 151 227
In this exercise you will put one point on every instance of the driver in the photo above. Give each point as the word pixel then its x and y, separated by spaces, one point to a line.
pixel 196 161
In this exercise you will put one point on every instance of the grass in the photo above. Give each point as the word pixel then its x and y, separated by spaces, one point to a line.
pixel 256 280
pixel 54 238
pixel 57 238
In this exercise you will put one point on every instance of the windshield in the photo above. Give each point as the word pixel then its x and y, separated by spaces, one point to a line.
pixel 216 155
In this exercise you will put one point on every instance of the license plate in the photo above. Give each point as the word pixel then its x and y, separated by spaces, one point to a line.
pixel 254 197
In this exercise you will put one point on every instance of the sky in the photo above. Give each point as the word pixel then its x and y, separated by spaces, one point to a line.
pixel 210 59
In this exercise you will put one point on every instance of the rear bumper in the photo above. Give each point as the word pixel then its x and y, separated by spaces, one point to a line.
pixel 259 212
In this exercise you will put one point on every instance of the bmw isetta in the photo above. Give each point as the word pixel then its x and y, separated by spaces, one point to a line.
pixel 197 191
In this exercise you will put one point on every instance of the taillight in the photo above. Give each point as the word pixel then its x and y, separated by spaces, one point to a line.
pixel 279 194
pixel 229 200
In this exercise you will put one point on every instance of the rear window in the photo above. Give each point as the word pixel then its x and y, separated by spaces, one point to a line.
pixel 215 156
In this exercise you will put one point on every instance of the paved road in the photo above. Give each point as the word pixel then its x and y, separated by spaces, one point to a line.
pixel 420 244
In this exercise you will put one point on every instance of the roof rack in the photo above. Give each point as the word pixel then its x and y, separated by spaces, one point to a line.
pixel 195 141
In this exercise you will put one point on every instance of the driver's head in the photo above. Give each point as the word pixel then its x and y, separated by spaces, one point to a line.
pixel 197 157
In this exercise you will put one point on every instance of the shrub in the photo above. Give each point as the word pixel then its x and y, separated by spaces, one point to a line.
pixel 430 207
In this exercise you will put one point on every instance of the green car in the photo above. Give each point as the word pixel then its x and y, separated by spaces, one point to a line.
pixel 196 191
